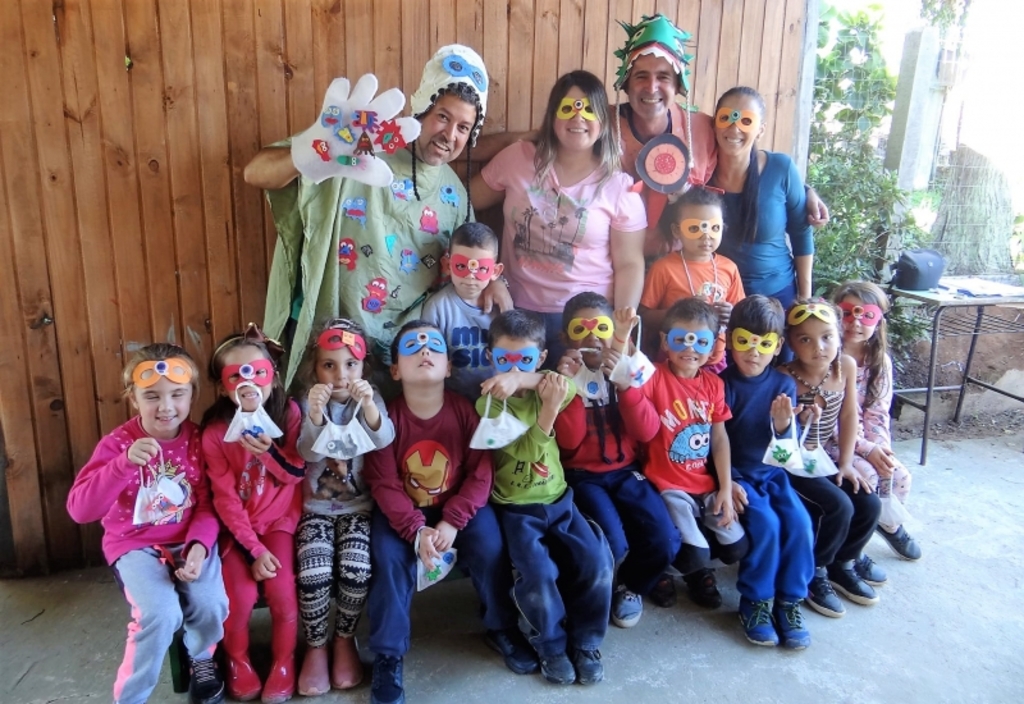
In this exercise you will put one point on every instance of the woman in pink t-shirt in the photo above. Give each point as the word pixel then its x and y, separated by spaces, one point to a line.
pixel 572 222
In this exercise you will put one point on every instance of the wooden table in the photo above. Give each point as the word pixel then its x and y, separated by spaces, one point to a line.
pixel 953 317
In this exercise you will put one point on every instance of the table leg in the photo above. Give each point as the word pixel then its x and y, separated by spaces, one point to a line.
pixel 967 367
pixel 931 384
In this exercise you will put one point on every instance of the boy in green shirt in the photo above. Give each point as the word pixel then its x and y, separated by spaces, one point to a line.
pixel 547 537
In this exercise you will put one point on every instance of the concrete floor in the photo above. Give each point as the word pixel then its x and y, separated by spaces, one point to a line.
pixel 949 628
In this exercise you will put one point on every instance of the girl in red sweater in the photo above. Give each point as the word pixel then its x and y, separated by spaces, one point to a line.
pixel 250 437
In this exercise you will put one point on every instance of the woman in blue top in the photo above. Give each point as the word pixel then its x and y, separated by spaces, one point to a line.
pixel 764 201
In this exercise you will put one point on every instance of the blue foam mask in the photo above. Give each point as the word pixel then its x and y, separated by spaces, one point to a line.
pixel 702 341
pixel 525 359
pixel 415 340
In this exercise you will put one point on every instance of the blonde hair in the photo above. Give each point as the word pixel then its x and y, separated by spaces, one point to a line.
pixel 154 353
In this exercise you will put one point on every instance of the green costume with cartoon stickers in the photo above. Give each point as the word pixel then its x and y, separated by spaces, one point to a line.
pixel 366 253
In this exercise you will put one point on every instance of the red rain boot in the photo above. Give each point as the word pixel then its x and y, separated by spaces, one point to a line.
pixel 242 681
pixel 346 670
pixel 280 686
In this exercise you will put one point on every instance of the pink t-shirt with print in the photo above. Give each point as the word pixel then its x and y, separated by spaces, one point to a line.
pixel 557 241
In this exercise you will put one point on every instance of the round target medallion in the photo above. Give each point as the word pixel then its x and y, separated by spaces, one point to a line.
pixel 663 164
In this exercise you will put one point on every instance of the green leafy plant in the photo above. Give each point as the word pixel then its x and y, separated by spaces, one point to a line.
pixel 852 98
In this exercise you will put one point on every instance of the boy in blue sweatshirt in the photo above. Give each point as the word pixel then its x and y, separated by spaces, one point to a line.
pixel 780 562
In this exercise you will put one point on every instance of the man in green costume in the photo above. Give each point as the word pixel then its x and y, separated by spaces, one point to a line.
pixel 372 253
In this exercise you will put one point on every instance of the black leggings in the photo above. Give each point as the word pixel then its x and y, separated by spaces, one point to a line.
pixel 842 520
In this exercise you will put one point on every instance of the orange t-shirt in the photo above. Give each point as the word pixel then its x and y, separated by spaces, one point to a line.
pixel 716 280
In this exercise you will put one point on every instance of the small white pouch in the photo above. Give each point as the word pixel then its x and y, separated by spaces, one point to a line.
pixel 343 442
pixel 428 576
pixel 816 462
pixel 784 451
pixel 632 369
pixel 251 423
pixel 591 385
pixel 497 432
pixel 894 513
pixel 158 499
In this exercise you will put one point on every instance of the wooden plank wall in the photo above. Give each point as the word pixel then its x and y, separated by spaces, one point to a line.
pixel 124 219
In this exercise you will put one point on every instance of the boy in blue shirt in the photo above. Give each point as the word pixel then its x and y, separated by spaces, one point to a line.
pixel 780 561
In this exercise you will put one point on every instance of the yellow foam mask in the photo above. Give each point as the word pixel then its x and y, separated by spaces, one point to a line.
pixel 571 107
pixel 822 311
pixel 746 120
pixel 601 327
pixel 744 340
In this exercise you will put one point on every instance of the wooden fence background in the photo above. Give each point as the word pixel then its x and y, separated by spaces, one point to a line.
pixel 124 219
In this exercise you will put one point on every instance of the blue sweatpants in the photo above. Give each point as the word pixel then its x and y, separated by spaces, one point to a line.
pixel 640 532
pixel 393 580
pixel 564 586
pixel 780 560
pixel 160 604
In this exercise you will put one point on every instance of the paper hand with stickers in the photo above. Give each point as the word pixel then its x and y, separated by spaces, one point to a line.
pixel 353 130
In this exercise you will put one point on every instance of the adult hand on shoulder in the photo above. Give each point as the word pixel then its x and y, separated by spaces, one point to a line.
pixel 496 294
pixel 193 567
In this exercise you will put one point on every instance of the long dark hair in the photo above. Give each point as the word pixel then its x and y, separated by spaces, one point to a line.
pixel 877 347
pixel 752 184
pixel 603 417
pixel 224 408
pixel 605 148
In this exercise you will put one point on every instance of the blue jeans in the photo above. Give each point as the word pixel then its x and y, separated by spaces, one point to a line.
pixel 634 519
pixel 393 581
pixel 564 587
pixel 780 561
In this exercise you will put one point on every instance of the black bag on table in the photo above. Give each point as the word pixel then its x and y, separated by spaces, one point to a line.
pixel 918 270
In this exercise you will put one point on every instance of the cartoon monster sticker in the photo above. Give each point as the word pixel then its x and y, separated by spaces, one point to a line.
pixel 366 119
pixel 449 195
pixel 394 294
pixel 402 190
pixel 331 117
pixel 426 470
pixel 364 145
pixel 429 261
pixel 322 149
pixel 410 262
pixel 355 208
pixel 428 220
pixel 378 294
pixel 691 443
pixel 347 253
pixel 390 137
pixel 390 241
pixel 367 250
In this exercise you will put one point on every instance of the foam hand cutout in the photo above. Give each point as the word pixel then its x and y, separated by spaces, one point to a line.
pixel 353 129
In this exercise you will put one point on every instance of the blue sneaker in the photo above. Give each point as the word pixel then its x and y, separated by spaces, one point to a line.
pixel 867 570
pixel 789 624
pixel 756 617
pixel 627 607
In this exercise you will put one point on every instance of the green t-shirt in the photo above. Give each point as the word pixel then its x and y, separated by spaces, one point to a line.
pixel 366 253
pixel 529 470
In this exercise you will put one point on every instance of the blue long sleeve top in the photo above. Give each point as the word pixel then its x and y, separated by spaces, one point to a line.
pixel 750 431
pixel 766 264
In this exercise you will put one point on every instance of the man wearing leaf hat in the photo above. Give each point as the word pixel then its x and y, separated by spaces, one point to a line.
pixel 363 219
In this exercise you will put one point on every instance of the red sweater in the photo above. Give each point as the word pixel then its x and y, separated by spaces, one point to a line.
pixel 256 495
pixel 106 488
pixel 430 463
pixel 577 434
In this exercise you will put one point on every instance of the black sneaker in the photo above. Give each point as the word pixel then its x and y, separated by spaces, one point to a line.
pixel 589 669
pixel 822 597
pixel 205 683
pixel 703 589
pixel 867 570
pixel 558 669
pixel 846 581
pixel 664 592
pixel 901 543
pixel 519 656
pixel 387 681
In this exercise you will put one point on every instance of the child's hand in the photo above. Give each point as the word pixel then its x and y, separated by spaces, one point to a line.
pixel 428 553
pixel 847 472
pixel 724 508
pixel 255 445
pixel 625 319
pixel 318 398
pixel 265 566
pixel 552 390
pixel 193 566
pixel 723 309
pixel 739 498
pixel 444 536
pixel 782 413
pixel 809 413
pixel 502 385
pixel 883 460
pixel 143 450
pixel 362 392
pixel 570 363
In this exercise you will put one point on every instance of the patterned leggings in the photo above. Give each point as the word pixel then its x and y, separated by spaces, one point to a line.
pixel 332 548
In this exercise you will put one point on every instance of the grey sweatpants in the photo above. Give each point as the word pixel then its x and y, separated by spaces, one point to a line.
pixel 159 605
